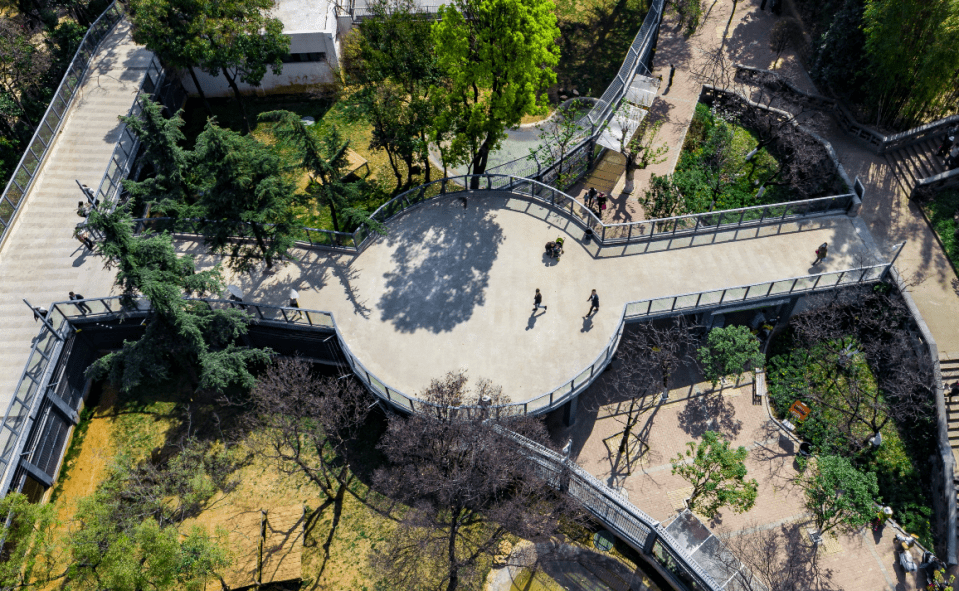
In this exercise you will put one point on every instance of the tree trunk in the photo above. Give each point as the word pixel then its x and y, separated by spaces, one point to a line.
pixel 480 161
pixel 451 550
pixel 239 99
pixel 261 244
pixel 336 225
pixel 199 89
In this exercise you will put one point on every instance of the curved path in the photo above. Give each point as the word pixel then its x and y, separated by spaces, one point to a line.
pixel 451 288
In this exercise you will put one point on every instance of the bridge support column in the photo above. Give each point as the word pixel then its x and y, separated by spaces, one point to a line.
pixel 786 311
pixel 569 411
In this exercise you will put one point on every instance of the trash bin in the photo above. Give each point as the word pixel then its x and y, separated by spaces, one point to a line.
pixel 805 449
pixel 588 235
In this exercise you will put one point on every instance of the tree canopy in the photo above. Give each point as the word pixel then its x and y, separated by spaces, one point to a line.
pixel 729 351
pixel 243 191
pixel 498 57
pixel 236 38
pixel 180 335
pixel 717 474
pixel 838 495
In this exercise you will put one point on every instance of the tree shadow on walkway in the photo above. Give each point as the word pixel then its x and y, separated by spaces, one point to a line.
pixel 441 265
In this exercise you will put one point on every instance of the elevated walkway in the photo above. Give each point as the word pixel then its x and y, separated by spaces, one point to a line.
pixel 40 259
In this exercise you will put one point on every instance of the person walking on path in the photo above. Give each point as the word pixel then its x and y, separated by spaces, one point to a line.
pixel 39 312
pixel 538 301
pixel 590 195
pixel 84 309
pixel 601 204
pixel 821 253
pixel 593 300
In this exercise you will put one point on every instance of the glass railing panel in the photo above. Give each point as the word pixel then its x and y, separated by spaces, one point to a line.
pixel 758 291
pixel 582 378
pixel 13 195
pixel 377 385
pixel 26 392
pixel 687 301
pixel 7 440
pixel 735 294
pixel 661 305
pixel 31 161
pixel 779 287
pixel 537 404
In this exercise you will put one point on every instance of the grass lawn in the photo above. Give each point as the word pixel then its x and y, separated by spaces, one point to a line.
pixel 900 464
pixel 594 38
pixel 334 556
pixel 941 212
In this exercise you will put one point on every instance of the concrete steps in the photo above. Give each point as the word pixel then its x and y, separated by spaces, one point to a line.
pixel 914 163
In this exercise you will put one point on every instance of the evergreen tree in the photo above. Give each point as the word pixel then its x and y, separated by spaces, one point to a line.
pixel 180 335
pixel 326 161
pixel 729 351
pixel 838 495
pixel 160 139
pixel 243 191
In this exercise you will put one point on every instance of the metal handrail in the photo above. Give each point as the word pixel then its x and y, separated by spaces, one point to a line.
pixel 630 523
pixel 605 234
pixel 125 151
pixel 21 181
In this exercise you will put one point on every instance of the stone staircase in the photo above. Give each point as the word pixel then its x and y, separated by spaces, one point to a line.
pixel 916 162
pixel 949 366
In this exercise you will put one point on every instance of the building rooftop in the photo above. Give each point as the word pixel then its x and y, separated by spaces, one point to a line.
pixel 305 16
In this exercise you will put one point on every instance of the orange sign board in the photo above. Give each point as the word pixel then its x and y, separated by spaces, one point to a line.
pixel 799 410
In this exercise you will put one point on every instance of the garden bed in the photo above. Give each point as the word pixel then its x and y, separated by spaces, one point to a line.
pixel 848 382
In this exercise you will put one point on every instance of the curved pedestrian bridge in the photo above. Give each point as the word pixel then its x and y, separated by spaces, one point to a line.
pixel 450 287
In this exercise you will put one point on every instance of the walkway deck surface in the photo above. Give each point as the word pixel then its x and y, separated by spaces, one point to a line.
pixel 40 260
pixel 452 288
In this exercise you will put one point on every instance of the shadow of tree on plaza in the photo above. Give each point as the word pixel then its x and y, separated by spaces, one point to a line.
pixel 711 412
pixel 441 265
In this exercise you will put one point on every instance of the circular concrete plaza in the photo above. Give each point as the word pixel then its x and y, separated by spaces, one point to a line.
pixel 451 288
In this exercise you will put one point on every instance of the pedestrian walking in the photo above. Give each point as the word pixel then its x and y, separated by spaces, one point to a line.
pixel 82 210
pixel 590 195
pixel 84 309
pixel 601 202
pixel 39 312
pixel 538 301
pixel 821 253
pixel 84 239
pixel 593 300
pixel 294 303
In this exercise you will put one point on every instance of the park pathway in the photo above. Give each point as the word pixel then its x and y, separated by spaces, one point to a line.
pixel 40 259
pixel 741 36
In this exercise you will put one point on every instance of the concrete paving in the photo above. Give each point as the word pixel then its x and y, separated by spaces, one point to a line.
pixel 452 288
pixel 863 560
pixel 40 260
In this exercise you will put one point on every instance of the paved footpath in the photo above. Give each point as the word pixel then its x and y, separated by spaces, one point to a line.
pixel 40 259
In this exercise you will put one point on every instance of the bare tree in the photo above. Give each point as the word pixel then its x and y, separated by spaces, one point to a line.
pixel 305 422
pixel 766 559
pixel 649 355
pixel 467 487
pixel 558 137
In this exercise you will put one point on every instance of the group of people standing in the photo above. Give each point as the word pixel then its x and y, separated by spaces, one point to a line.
pixel 596 201
pixel 949 148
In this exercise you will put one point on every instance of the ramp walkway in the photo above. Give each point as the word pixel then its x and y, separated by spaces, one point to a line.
pixel 40 260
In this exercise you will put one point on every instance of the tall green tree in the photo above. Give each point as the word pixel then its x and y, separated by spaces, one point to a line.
pixel 498 56
pixel 243 191
pixel 717 474
pixel 911 45
pixel 236 38
pixel 729 351
pixel 180 336
pixel 838 495
pixel 325 158
pixel 173 30
pixel 160 138
pixel 393 64
pixel 30 549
